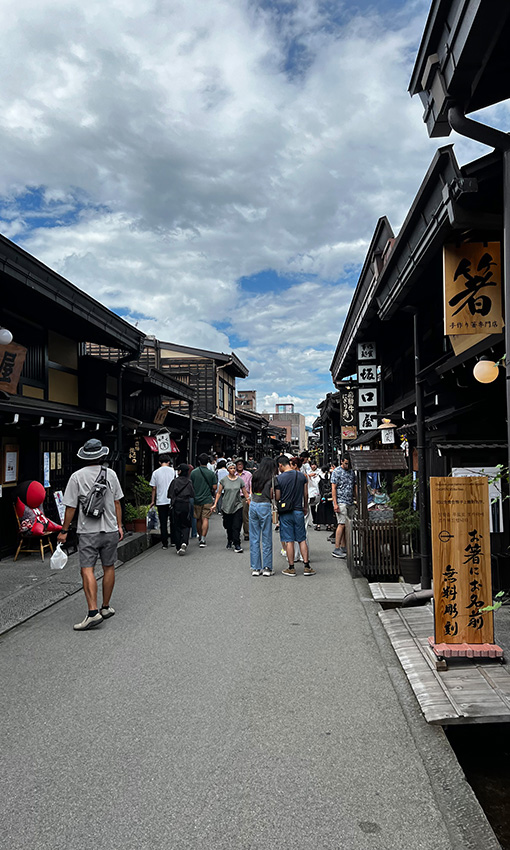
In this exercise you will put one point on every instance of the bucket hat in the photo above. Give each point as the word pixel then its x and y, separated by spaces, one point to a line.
pixel 93 450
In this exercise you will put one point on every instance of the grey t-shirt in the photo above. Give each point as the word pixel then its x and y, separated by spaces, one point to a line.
pixel 80 484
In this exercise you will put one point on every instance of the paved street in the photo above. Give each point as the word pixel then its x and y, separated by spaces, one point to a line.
pixel 217 710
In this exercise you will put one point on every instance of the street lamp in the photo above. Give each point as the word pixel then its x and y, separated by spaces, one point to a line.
pixel 5 336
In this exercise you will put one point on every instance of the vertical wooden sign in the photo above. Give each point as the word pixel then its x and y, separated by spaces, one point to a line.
pixel 461 560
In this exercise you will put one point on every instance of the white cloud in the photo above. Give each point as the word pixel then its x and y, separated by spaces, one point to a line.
pixel 177 149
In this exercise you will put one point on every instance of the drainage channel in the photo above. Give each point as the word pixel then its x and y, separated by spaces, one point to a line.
pixel 483 752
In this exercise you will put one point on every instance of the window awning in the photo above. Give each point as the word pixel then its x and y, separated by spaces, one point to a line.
pixel 153 445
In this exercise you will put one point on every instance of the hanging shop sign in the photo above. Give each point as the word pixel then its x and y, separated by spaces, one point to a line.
pixel 472 288
pixel 366 351
pixel 367 373
pixel 461 560
pixel 367 397
pixel 347 407
pixel 12 358
pixel 368 421
pixel 161 414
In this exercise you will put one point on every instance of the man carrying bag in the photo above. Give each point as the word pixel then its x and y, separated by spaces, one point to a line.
pixel 292 501
pixel 95 490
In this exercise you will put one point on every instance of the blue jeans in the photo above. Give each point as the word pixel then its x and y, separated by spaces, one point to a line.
pixel 261 530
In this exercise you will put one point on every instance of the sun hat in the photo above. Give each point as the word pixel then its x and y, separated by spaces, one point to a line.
pixel 93 450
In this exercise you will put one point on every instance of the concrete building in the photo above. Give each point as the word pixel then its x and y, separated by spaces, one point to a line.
pixel 294 424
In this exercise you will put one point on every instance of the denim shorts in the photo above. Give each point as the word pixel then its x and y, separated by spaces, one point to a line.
pixel 292 527
pixel 98 544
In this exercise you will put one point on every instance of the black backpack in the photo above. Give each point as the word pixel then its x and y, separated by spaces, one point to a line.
pixel 94 503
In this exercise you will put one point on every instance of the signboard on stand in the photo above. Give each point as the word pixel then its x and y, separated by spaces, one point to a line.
pixel 461 564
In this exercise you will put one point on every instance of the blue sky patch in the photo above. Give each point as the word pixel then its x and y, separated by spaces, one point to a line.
pixel 270 281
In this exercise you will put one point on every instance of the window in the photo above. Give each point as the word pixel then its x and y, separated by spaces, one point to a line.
pixel 230 399
pixel 221 394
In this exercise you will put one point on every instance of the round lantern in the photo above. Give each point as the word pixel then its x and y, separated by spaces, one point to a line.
pixel 5 336
pixel 486 371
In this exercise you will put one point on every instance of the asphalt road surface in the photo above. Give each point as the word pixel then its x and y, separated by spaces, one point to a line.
pixel 217 710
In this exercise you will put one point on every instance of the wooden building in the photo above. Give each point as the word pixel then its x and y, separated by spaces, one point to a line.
pixel 50 402
pixel 445 418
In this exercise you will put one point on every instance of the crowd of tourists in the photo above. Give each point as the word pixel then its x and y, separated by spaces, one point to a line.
pixel 289 494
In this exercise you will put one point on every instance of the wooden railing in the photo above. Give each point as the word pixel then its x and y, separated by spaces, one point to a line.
pixel 373 547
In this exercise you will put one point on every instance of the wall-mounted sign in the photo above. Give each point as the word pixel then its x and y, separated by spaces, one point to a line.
pixel 366 351
pixel 349 432
pixel 367 397
pixel 367 373
pixel 10 464
pixel 12 358
pixel 347 407
pixel 461 560
pixel 472 288
pixel 367 421
pixel 46 469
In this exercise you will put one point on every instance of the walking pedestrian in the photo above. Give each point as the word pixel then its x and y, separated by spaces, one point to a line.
pixel 246 476
pixel 221 471
pixel 204 485
pixel 160 482
pixel 181 494
pixel 313 491
pixel 343 493
pixel 260 518
pixel 98 536
pixel 232 489
pixel 292 489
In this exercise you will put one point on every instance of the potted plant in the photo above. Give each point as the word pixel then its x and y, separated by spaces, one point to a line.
pixel 402 500
pixel 135 512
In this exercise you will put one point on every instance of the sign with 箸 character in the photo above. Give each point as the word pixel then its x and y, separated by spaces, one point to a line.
pixel 472 288
pixel 12 358
pixel 461 560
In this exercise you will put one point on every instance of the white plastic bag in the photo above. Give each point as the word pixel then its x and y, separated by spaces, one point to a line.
pixel 59 558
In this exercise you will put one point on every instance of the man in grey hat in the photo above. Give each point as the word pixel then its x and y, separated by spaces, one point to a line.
pixel 98 536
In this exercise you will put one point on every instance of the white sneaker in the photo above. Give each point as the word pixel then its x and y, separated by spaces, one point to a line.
pixel 256 572
pixel 267 573
pixel 88 623
pixel 107 611
pixel 182 550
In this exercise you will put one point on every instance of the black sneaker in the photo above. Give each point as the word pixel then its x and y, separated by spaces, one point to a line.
pixel 229 546
pixel 238 549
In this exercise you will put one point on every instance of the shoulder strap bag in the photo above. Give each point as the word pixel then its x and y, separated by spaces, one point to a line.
pixel 286 506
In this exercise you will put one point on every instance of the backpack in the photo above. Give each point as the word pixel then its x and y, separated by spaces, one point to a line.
pixel 94 503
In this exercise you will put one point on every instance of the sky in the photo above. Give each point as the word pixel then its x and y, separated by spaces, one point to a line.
pixel 214 172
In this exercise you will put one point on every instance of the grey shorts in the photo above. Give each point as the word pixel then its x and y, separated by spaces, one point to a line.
pixel 343 512
pixel 98 544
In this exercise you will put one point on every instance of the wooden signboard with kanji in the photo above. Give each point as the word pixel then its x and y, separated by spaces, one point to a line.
pixel 461 560
pixel 472 288
pixel 12 358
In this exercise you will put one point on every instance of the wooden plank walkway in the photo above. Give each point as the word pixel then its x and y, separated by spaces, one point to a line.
pixel 391 591
pixel 469 691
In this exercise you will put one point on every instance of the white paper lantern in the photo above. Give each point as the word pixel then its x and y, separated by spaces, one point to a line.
pixel 5 336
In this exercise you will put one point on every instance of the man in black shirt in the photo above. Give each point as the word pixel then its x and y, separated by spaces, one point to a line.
pixel 291 487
